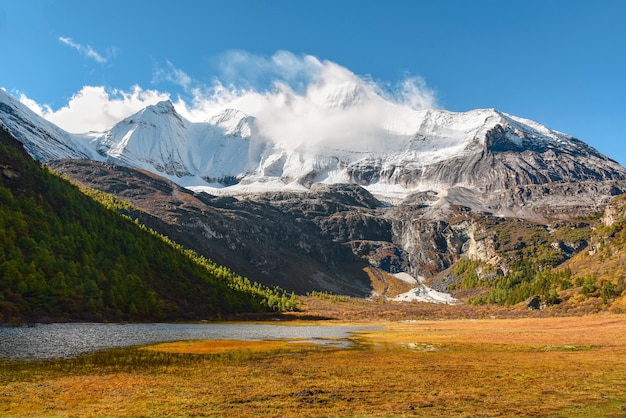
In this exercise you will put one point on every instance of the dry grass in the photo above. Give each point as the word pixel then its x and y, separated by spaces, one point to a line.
pixel 386 285
pixel 226 346
pixel 529 367
pixel 354 309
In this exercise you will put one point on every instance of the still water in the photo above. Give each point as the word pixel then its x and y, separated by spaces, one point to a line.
pixel 47 341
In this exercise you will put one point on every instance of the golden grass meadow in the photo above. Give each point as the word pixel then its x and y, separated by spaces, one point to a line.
pixel 516 366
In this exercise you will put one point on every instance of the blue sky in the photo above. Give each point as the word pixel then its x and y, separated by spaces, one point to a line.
pixel 561 63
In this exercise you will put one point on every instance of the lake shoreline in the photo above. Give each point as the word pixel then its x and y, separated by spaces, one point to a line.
pixel 65 340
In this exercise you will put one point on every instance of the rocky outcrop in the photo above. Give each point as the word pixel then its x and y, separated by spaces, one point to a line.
pixel 614 211
pixel 534 303
pixel 563 200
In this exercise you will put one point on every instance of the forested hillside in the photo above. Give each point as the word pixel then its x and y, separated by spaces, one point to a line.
pixel 63 256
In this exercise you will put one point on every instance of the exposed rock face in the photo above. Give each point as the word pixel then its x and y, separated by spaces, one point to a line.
pixel 614 211
pixel 323 239
pixel 433 245
pixel 507 157
pixel 563 200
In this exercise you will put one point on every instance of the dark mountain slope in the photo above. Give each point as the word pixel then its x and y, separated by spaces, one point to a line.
pixel 256 238
pixel 65 257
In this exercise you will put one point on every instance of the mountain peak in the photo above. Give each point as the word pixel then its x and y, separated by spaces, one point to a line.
pixel 344 96
pixel 234 123
pixel 165 106
pixel 162 113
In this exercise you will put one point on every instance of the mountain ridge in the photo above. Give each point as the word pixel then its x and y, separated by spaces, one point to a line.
pixel 414 151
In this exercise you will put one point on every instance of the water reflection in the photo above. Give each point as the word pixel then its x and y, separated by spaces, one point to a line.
pixel 68 340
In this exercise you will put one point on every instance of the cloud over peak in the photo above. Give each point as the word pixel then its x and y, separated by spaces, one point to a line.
pixel 303 101
pixel 95 109
pixel 296 100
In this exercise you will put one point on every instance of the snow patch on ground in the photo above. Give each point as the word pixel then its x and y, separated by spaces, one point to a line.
pixel 406 277
pixel 422 293
pixel 391 193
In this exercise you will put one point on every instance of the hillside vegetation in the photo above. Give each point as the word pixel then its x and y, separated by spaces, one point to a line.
pixel 63 256
pixel 570 264
pixel 527 255
pixel 600 271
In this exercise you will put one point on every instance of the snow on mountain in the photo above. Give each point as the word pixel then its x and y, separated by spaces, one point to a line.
pixel 41 139
pixel 154 138
pixel 233 123
pixel 401 151
pixel 158 139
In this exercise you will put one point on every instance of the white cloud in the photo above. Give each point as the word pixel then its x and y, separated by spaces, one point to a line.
pixel 312 102
pixel 296 100
pixel 413 92
pixel 95 109
pixel 41 110
pixel 87 50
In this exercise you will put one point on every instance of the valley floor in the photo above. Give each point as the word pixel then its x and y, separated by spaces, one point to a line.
pixel 355 309
pixel 523 367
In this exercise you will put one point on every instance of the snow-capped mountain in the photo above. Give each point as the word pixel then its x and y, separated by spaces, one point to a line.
pixel 406 151
pixel 43 140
